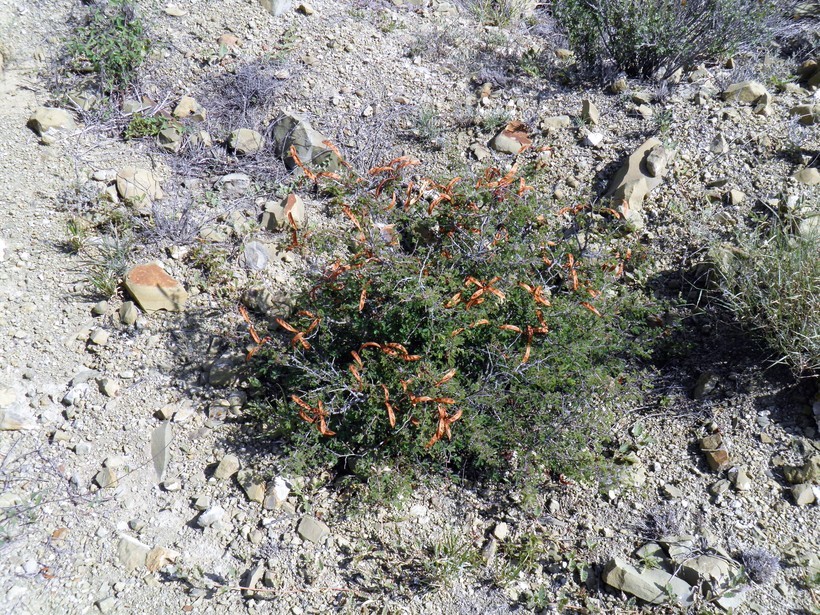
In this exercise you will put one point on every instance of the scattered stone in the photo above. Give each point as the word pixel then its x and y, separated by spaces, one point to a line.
pixel 277 494
pixel 708 568
pixel 131 552
pixel 106 478
pixel 644 111
pixel 740 479
pixel 98 337
pixel 809 176
pixel 100 308
pixel 255 256
pixel 736 197
pixel 650 585
pixel 808 115
pixel 489 550
pixel 305 9
pixel 656 161
pixel 228 466
pixel 719 145
pixel 803 494
pixel 188 107
pixel 245 141
pixel 672 492
pixel 720 487
pixel 253 488
pixel 106 605
pixel 159 557
pixel 108 387
pixel 705 384
pixel 311 146
pixel 501 531
pixel 276 7
pixel 593 139
pixel 203 502
pixel 213 515
pixel 161 439
pixel 809 472
pixel 563 54
pixel 47 120
pixel 619 86
pixel 171 484
pixel 128 313
pixel 251 580
pixel 153 289
pixel 225 370
pixel 512 139
pixel 312 529
pixel 745 91
pixel 633 182
pixel 170 139
pixel 555 123
pixel 138 186
pixel 290 212
pixel 589 112
pixel 641 98
pixel 716 455
pixel 16 417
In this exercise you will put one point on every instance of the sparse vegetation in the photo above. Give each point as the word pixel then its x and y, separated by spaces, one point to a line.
pixel 141 126
pixel 109 46
pixel 643 37
pixel 108 260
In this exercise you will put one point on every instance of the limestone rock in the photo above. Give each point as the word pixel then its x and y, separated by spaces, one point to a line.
pixel 153 289
pixel 589 112
pixel 228 466
pixel 312 529
pixel 809 176
pixel 107 478
pixel 253 488
pixel 512 139
pixel 131 552
pixel 138 186
pixel 633 182
pixel 161 448
pixel 808 115
pixel 707 568
pixel 48 120
pixel 159 557
pixel 744 91
pixel 128 313
pixel 291 130
pixel 213 515
pixel 15 417
pixel 649 585
pixel 251 580
pixel 277 494
pixel 719 145
pixel 555 123
pixel 276 7
pixel 803 494
pixel 170 139
pixel 289 212
pixel 656 161
pixel 809 472
pixel 245 141
pixel 188 107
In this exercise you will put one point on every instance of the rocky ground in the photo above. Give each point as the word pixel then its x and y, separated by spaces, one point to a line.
pixel 127 482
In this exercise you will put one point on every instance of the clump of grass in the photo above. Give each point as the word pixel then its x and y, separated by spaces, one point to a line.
pixel 760 565
pixel 427 125
pixel 501 13
pixel 108 261
pixel 461 329
pixel 771 282
pixel 141 126
pixel 110 46
pixel 641 37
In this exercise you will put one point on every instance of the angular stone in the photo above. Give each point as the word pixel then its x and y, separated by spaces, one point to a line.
pixel 809 176
pixel 131 552
pixel 138 187
pixel 188 107
pixel 128 313
pixel 47 120
pixel 290 212
pixel 245 141
pixel 707 568
pixel 633 182
pixel 15 418
pixel 161 448
pixel 254 489
pixel 718 459
pixel 809 472
pixel 512 139
pixel 277 494
pixel 589 112
pixel 228 466
pixel 170 139
pixel 656 161
pixel 106 605
pixel 650 585
pixel 106 478
pixel 744 91
pixel 501 531
pixel 719 145
pixel 705 384
pixel 108 386
pixel 159 557
pixel 276 7
pixel 311 146
pixel 312 529
pixel 99 337
pixel 251 580
pixel 803 494
pixel 213 515
pixel 555 123
pixel 153 289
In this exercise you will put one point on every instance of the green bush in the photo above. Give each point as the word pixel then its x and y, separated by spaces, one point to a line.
pixel 771 282
pixel 110 45
pixel 466 329
pixel 641 37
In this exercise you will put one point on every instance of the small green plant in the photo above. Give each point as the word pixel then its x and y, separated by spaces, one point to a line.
pixel 428 125
pixel 108 262
pixel 501 13
pixel 111 45
pixel 452 554
pixel 641 37
pixel 77 230
pixel 142 126
pixel 663 121
pixel 495 120
pixel 771 282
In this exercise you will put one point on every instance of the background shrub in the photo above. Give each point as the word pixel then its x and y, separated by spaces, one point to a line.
pixel 642 37
pixel 460 326
pixel 771 282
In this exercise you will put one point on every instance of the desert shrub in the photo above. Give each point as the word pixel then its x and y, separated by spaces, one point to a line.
pixel 460 326
pixel 771 282
pixel 642 37
pixel 110 46
pixel 760 565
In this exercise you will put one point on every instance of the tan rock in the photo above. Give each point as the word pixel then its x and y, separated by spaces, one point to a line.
pixel 807 115
pixel 589 112
pixel 246 142
pixel 159 557
pixel 744 91
pixel 634 181
pixel 512 139
pixel 289 212
pixel 47 120
pixel 153 289
pixel 188 107
pixel 138 186
pixel 809 176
